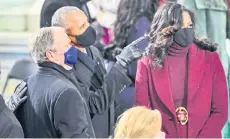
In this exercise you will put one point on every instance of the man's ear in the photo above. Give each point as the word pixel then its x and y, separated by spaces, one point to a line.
pixel 49 56
pixel 73 40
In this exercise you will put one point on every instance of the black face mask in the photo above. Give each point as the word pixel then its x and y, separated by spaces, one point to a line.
pixel 184 37
pixel 87 38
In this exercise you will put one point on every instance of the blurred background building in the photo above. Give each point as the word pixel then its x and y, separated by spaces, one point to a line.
pixel 19 18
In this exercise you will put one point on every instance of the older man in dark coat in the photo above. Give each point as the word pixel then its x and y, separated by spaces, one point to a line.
pixel 54 106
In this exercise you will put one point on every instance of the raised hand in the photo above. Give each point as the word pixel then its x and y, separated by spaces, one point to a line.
pixel 130 53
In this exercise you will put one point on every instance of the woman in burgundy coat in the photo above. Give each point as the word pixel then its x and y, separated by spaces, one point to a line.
pixel 182 76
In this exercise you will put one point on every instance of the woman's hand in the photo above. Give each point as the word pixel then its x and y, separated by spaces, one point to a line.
pixel 18 97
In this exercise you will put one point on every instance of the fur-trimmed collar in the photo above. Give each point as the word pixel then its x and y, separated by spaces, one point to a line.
pixel 206 44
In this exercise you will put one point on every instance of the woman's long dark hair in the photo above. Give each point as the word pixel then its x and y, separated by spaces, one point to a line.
pixel 128 12
pixel 167 20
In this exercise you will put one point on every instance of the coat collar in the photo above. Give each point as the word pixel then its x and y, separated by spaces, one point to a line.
pixel 195 74
pixel 48 67
pixel 162 86
pixel 195 70
pixel 89 65
pixel 86 60
pixel 55 67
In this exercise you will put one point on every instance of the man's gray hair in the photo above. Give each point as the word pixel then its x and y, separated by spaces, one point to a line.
pixel 59 18
pixel 40 43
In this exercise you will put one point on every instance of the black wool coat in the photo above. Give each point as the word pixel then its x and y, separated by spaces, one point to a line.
pixel 92 76
pixel 54 106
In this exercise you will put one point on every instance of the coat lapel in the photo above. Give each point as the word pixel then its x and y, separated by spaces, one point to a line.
pixel 87 70
pixel 195 70
pixel 86 60
pixel 162 86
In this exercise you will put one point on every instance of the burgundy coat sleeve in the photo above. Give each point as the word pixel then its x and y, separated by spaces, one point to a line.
pixel 141 86
pixel 219 108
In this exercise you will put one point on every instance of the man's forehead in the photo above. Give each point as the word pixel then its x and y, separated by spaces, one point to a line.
pixel 78 17
pixel 59 33
pixel 61 41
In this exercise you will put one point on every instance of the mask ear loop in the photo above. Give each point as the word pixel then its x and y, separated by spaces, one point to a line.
pixel 71 35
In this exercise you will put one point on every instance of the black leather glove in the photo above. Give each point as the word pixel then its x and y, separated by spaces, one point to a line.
pixel 111 51
pixel 130 53
pixel 18 97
